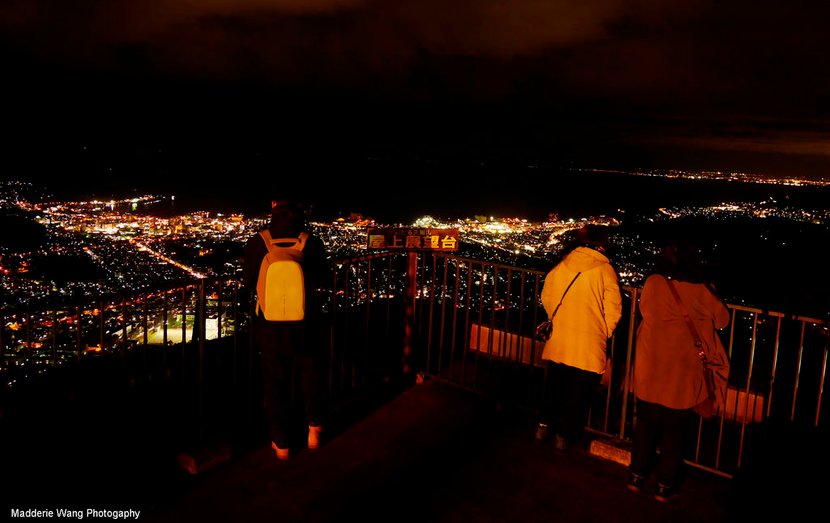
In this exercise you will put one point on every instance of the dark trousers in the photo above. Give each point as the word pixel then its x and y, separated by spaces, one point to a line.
pixel 284 357
pixel 664 428
pixel 567 399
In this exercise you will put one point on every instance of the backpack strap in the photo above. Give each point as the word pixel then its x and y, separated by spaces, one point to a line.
pixel 302 239
pixel 265 234
pixel 298 243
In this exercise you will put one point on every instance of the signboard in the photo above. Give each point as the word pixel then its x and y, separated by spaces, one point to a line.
pixel 412 239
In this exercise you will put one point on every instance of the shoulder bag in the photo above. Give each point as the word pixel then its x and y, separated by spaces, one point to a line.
pixel 544 329
pixel 708 407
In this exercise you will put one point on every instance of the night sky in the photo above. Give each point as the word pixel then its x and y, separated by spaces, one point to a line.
pixel 691 84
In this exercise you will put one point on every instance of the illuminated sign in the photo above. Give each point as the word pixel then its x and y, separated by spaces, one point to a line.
pixel 413 239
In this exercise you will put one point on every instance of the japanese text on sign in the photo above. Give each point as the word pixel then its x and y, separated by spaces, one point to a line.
pixel 413 238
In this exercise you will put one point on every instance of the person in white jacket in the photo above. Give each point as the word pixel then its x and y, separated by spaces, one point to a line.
pixel 575 354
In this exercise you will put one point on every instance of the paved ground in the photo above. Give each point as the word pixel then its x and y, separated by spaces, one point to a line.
pixel 430 453
pixel 436 454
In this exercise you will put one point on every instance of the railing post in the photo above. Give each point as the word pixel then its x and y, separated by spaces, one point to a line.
pixel 199 326
pixel 409 315
pixel 2 342
pixel 184 316
pixel 78 332
pixel 28 358
pixel 55 336
pixel 632 323
pixel 102 311
pixel 145 324
pixel 219 291
pixel 124 321
pixel 167 372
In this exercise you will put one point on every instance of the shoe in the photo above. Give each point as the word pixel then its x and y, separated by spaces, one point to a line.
pixel 282 454
pixel 314 436
pixel 663 493
pixel 560 442
pixel 541 432
pixel 635 482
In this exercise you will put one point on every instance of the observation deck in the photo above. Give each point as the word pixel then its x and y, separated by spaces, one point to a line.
pixel 434 380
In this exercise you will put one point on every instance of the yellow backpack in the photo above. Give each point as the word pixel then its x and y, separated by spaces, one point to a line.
pixel 281 285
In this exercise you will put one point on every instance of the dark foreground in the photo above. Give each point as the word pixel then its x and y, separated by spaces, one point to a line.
pixel 436 454
pixel 431 453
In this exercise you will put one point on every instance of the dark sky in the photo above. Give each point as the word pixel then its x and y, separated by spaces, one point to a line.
pixel 739 85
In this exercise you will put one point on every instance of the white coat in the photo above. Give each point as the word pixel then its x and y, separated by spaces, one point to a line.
pixel 589 312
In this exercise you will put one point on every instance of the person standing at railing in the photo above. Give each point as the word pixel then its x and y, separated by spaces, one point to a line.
pixel 294 347
pixel 668 373
pixel 585 288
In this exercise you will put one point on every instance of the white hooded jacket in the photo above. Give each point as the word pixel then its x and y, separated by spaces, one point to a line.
pixel 588 314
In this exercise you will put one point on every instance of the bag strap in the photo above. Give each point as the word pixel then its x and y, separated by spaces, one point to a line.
pixel 552 314
pixel 298 243
pixel 698 342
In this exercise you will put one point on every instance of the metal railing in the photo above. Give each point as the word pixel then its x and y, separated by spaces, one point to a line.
pixel 195 343
pixel 475 329
pixel 463 321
